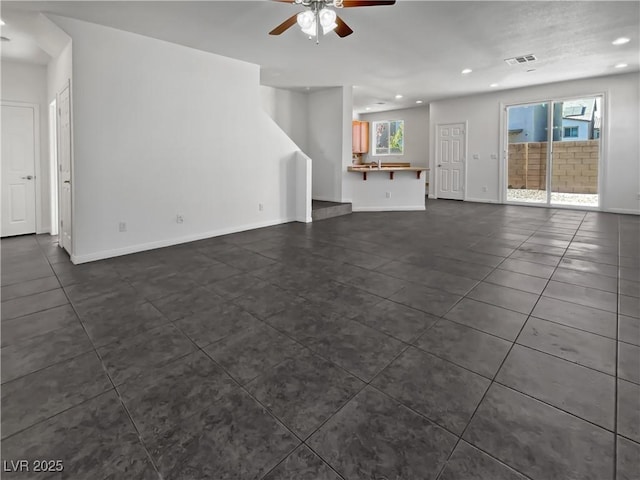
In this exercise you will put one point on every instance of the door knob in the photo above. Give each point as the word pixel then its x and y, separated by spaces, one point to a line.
pixel 440 165
pixel 28 177
pixel 67 181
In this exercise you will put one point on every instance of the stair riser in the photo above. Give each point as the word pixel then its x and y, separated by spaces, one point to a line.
pixel 330 212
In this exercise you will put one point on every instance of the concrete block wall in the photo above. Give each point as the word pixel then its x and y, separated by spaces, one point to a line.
pixel 575 166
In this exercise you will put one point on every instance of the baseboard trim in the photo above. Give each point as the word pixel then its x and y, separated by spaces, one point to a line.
pixel 480 200
pixel 414 208
pixel 142 247
pixel 624 211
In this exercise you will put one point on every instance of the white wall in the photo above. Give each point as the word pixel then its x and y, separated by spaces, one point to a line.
pixel 325 142
pixel 347 143
pixel 303 187
pixel 621 176
pixel 161 130
pixel 24 82
pixel 290 110
pixel 416 135
pixel 59 72
pixel 379 193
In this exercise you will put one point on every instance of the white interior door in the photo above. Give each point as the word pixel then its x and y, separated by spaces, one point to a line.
pixel 451 151
pixel 64 159
pixel 18 170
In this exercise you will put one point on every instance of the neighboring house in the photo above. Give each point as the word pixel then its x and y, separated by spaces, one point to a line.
pixel 528 123
pixel 578 119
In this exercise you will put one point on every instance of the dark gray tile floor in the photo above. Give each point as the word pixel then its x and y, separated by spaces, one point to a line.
pixel 469 341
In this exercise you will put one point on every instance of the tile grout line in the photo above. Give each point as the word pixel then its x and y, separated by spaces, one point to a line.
pixel 617 357
pixel 493 380
pixel 246 391
pixel 106 372
pixel 343 406
pixel 460 437
pixel 395 357
pixel 346 402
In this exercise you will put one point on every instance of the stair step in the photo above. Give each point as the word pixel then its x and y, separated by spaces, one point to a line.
pixel 322 210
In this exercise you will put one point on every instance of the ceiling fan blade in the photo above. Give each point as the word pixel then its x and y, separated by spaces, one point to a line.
pixel 365 3
pixel 343 30
pixel 284 26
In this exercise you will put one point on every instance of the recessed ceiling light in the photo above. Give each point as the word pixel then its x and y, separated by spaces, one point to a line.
pixel 2 23
pixel 494 85
pixel 419 101
pixel 620 41
pixel 466 71
pixel 621 65
pixel 398 97
pixel 368 108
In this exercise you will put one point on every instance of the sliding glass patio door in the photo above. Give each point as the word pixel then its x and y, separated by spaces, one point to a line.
pixel 527 153
pixel 557 166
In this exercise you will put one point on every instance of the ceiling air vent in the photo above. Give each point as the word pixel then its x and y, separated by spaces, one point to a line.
pixel 523 59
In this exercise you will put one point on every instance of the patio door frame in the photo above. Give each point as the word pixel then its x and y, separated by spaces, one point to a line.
pixel 551 101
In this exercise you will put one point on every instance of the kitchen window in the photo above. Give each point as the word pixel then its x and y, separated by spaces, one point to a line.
pixel 388 138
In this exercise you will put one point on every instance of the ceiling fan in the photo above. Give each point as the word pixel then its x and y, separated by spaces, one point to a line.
pixel 318 17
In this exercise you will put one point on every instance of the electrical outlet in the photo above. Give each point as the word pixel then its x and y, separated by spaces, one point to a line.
pixel 388 194
pixel 179 219
pixel 476 156
pixel 260 207
pixel 122 227
pixel 484 189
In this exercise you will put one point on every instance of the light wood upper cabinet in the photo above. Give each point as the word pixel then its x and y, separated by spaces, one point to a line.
pixel 360 134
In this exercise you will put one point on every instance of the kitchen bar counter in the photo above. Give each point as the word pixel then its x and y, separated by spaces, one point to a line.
pixel 364 169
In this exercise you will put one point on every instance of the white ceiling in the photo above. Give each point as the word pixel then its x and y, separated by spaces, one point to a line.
pixel 415 48
pixel 21 45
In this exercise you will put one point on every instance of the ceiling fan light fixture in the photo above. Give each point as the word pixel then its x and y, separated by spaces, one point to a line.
pixel 327 20
pixel 306 19
pixel 327 17
pixel 311 30
pixel 330 28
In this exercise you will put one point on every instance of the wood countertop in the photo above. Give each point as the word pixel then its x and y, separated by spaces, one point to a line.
pixel 391 169
pixel 386 169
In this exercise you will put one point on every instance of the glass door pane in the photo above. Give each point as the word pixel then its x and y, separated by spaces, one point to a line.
pixel 576 152
pixel 527 153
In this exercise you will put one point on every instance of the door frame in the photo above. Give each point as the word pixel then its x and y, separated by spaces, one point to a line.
pixel 66 84
pixel 36 158
pixel 504 142
pixel 437 156
pixel 54 194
